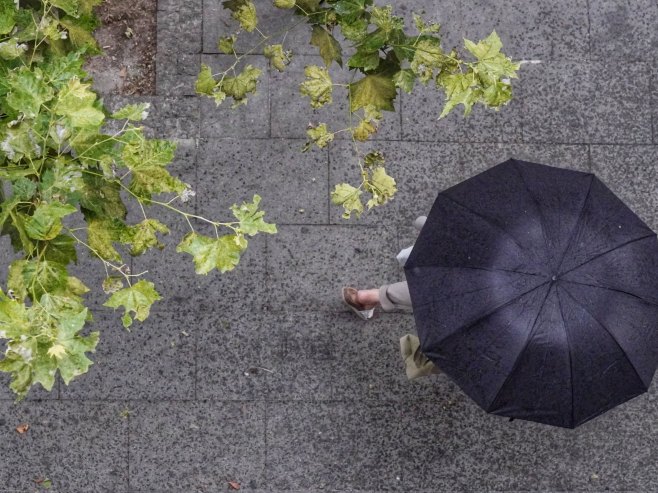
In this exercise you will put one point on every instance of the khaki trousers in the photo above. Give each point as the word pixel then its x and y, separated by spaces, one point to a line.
pixel 395 297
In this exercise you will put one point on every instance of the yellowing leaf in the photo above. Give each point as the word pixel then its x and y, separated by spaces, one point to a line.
pixel 221 253
pixel 349 197
pixel 319 136
pixel 381 186
pixel 251 219
pixel 330 49
pixel 284 4
pixel 132 112
pixel 136 300
pixel 317 86
pixel 226 44
pixel 278 58
pixel 364 130
pixel 244 11
pixel 377 90
pixel 244 83
pixel 205 83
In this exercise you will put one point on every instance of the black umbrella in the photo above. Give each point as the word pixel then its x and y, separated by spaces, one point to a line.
pixel 536 290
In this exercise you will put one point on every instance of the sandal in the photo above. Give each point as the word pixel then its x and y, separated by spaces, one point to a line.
pixel 363 311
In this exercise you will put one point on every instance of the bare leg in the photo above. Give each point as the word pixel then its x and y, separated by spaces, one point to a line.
pixel 368 297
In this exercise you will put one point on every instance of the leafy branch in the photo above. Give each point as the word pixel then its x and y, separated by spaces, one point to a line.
pixel 58 162
pixel 384 60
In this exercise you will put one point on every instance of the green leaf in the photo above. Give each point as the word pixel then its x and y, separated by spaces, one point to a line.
pixel 101 233
pixel 61 249
pixel 364 130
pixel 71 7
pixel 101 198
pixel 428 56
pixel 28 90
pixel 76 102
pixel 308 6
pixel 381 186
pixel 244 11
pixel 112 284
pixel 136 300
pixel 221 253
pixel 423 27
pixel 404 79
pixel 460 89
pixel 490 60
pixel 284 4
pixel 46 222
pixel 42 277
pixel 382 17
pixel 205 83
pixel 132 112
pixel 377 90
pixel 349 197
pixel 319 136
pixel 373 158
pixel 79 35
pixel 330 49
pixel 251 219
pixel 23 189
pixel 7 16
pixel 350 10
pixel 365 60
pixel 12 49
pixel 317 86
pixel 226 44
pixel 244 83
pixel 278 58
pixel 142 236
pixel 355 31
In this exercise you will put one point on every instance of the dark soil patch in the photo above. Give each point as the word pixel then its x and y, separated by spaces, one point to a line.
pixel 127 37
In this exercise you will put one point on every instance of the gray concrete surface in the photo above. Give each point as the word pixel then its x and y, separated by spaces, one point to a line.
pixel 185 403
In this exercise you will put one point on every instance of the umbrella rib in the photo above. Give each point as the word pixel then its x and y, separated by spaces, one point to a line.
pixel 615 290
pixel 488 221
pixel 609 333
pixel 542 219
pixel 525 345
pixel 566 332
pixel 652 234
pixel 480 268
pixel 575 227
pixel 468 325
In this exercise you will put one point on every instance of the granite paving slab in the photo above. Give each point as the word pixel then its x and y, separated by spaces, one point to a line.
pixel 598 102
pixel 212 443
pixel 81 446
pixel 292 184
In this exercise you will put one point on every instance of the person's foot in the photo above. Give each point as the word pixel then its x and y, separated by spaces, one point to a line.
pixel 351 299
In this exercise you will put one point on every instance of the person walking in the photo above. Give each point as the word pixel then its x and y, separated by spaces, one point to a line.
pixel 391 298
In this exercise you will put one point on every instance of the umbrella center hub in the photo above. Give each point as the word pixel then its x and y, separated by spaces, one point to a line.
pixel 554 278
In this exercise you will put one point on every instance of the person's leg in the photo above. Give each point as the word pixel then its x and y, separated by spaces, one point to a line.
pixel 393 297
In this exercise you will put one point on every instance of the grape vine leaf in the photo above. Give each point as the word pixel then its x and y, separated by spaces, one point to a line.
pixel 490 60
pixel 377 90
pixel 404 79
pixel 101 233
pixel 132 112
pixel 7 16
pixel 319 136
pixel 226 44
pixel 244 11
pixel 330 49
pixel 28 90
pixel 349 197
pixel 142 236
pixel 277 57
pixel 76 102
pixel 71 7
pixel 12 49
pixel 61 249
pixel 205 83
pixel 317 86
pixel 381 186
pixel 239 86
pixel 284 4
pixel 251 219
pixel 351 10
pixel 221 253
pixel 136 300
pixel 46 222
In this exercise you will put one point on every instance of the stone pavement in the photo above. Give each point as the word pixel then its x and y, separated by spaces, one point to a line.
pixel 336 413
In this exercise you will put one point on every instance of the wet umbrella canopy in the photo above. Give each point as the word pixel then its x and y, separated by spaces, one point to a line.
pixel 536 290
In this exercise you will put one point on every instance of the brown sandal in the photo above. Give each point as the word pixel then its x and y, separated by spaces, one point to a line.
pixel 349 295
